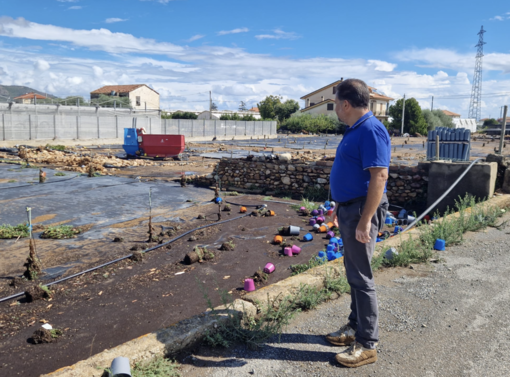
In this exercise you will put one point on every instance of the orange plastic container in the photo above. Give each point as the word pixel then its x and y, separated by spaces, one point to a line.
pixel 330 225
pixel 278 239
pixel 243 210
pixel 272 213
pixel 323 229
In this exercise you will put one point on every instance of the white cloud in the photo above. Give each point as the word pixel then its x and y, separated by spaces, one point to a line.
pixel 42 65
pixel 382 66
pixel 503 17
pixel 75 7
pixel 114 19
pixel 196 37
pixel 278 34
pixel 234 31
pixel 98 71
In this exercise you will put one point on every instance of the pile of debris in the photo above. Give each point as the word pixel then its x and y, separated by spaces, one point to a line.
pixel 76 162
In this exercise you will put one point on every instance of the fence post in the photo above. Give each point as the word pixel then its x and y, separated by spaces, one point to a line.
pixel 98 132
pixel 204 128
pixel 116 126
pixel 192 124
pixel 245 127
pixel 54 126
pixel 77 127
pixel 3 127
pixel 29 127
pixel 215 128
pixel 164 121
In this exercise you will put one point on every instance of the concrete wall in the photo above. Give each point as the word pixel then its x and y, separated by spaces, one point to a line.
pixel 147 96
pixel 480 182
pixel 217 128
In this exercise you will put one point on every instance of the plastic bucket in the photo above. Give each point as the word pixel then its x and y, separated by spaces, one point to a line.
pixel 330 247
pixel 330 234
pixel 320 220
pixel 316 227
pixel 332 204
pixel 249 285
pixel 330 225
pixel 294 230
pixel 278 239
pixel 302 209
pixel 218 200
pixel 313 221
pixel 296 249
pixel 398 229
pixel 320 211
pixel 390 253
pixel 327 203
pixel 323 228
pixel 287 251
pixel 333 240
pixel 272 213
pixel 440 244
pixel 120 367
pixel 308 237
pixel 331 212
pixel 269 268
pixel 243 210
pixel 315 212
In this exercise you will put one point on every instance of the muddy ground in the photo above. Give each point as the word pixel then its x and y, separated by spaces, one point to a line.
pixel 439 320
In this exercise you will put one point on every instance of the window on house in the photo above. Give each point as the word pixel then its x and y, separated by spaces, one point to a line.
pixel 330 107
pixel 308 102
pixel 334 90
pixel 371 106
pixel 138 102
pixel 312 104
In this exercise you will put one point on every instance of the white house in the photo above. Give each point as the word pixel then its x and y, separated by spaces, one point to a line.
pixel 216 114
pixel 470 124
pixel 141 96
pixel 322 101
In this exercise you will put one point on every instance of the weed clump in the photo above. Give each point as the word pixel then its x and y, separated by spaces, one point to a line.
pixel 60 232
pixel 158 366
pixel 33 264
pixel 228 246
pixel 17 231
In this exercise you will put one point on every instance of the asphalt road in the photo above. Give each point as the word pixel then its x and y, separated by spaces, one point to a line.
pixel 449 318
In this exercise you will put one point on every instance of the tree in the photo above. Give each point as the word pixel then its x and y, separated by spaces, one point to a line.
pixel 437 118
pixel 184 115
pixel 446 121
pixel 285 110
pixel 267 106
pixel 214 107
pixel 110 101
pixel 414 122
pixel 490 122
pixel 304 122
pixel 242 106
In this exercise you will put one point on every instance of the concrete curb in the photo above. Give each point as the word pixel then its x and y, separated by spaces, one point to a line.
pixel 191 331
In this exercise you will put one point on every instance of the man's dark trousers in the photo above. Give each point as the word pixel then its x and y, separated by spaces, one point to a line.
pixel 357 257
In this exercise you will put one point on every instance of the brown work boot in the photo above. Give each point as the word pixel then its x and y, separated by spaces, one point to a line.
pixel 343 337
pixel 357 355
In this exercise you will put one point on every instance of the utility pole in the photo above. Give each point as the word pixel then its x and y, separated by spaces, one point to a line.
pixel 403 115
pixel 503 130
pixel 432 106
pixel 210 105
pixel 475 106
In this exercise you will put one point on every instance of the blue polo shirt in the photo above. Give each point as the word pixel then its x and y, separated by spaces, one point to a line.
pixel 365 145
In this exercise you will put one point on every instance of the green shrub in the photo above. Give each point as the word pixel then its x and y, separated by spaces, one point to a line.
pixel 60 232
pixel 9 231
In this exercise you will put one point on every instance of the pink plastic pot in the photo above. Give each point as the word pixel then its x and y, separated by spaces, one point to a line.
pixel 269 268
pixel 249 285
pixel 296 249
pixel 287 251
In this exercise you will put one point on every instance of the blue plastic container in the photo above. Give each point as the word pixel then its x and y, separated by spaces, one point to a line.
pixel 308 237
pixel 333 240
pixel 440 245
pixel 330 247
pixel 398 229
pixel 218 200
pixel 327 203
pixel 130 141
pixel 322 256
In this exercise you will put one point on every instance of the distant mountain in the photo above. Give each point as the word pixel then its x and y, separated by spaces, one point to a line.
pixel 13 91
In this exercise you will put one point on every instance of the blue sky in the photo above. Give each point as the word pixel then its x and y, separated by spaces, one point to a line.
pixel 243 51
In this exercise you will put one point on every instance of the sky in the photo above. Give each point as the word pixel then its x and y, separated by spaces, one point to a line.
pixel 245 51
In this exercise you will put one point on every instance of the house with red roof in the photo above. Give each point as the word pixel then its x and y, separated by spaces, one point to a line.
pixel 29 98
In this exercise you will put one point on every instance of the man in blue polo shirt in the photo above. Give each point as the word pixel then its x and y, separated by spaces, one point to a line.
pixel 358 185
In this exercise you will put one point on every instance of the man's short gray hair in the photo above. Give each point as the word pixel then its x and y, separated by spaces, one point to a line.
pixel 355 92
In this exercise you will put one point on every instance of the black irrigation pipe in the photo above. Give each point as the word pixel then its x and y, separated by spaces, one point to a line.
pixel 126 257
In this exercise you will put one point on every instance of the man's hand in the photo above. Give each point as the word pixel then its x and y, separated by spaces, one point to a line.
pixel 335 221
pixel 363 231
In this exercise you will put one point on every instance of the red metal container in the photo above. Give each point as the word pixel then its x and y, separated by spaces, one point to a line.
pixel 160 145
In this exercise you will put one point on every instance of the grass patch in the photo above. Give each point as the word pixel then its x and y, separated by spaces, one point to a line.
pixel 317 194
pixel 12 181
pixel 60 174
pixel 157 367
pixel 309 205
pixel 55 333
pixel 231 193
pixel 266 198
pixel 299 268
pixel 60 232
pixel 9 231
pixel 61 148
pixel 309 297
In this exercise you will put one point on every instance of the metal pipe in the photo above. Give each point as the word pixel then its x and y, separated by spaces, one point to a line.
pixel 503 130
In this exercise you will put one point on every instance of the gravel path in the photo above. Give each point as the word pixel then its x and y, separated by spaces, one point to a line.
pixel 447 319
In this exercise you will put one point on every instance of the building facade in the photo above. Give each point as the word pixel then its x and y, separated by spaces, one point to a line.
pixel 140 96
pixel 29 98
pixel 322 101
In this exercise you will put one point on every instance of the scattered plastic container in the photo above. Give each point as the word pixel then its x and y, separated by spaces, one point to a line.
pixel 308 237
pixel 333 240
pixel 272 213
pixel 332 204
pixel 330 225
pixel 120 367
pixel 287 251
pixel 330 234
pixel 331 212
pixel 302 209
pixel 249 285
pixel 243 210
pixel 278 239
pixel 321 219
pixel 323 229
pixel 440 245
pixel 269 268
pixel 294 230
pixel 390 253
pixel 315 212
pixel 218 200
pixel 320 211
pixel 322 256
pixel 402 214
pixel 398 229
pixel 296 250
pixel 316 227
pixel 313 221
pixel 327 203
pixel 333 255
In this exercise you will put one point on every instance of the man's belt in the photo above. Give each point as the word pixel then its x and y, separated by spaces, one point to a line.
pixel 352 201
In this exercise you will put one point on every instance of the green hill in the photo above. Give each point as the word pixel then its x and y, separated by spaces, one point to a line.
pixel 12 91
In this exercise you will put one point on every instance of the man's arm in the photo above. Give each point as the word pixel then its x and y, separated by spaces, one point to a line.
pixel 378 178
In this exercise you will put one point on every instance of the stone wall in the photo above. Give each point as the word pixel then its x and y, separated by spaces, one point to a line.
pixel 404 183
